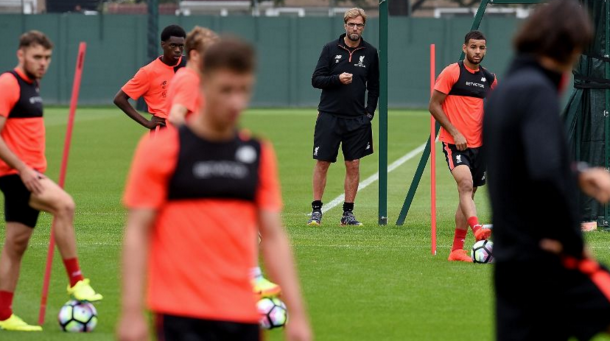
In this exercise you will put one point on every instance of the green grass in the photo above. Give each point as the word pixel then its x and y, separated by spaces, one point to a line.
pixel 364 283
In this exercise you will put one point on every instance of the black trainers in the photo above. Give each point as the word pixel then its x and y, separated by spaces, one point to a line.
pixel 349 219
pixel 316 218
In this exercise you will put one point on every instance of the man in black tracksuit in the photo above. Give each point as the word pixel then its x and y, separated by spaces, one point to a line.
pixel 346 69
pixel 547 286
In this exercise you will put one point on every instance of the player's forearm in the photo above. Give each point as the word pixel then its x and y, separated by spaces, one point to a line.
pixel 439 115
pixel 177 114
pixel 322 81
pixel 123 103
pixel 10 158
pixel 371 103
pixel 135 253
pixel 279 262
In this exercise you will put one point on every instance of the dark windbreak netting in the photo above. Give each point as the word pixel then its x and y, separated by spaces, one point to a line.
pixel 586 115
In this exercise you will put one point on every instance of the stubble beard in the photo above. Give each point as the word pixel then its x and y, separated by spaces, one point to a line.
pixel 353 36
pixel 473 62
pixel 28 71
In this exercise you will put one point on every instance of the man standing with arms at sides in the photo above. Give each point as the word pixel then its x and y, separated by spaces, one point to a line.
pixel 547 285
pixel 152 80
pixel 346 70
pixel 457 104
pixel 199 261
pixel 183 97
pixel 27 191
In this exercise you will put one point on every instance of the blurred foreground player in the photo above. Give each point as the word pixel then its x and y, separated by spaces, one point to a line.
pixel 184 99
pixel 27 191
pixel 193 220
pixel 547 285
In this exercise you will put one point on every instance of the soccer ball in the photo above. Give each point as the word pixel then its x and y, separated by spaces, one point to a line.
pixel 77 317
pixel 482 252
pixel 273 313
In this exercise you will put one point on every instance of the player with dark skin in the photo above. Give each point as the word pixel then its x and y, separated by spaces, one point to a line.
pixel 474 51
pixel 172 51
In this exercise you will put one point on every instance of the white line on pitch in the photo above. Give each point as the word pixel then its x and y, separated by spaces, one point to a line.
pixel 364 184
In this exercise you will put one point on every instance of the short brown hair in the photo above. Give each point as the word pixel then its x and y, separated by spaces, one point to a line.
pixel 354 13
pixel 34 37
pixel 199 39
pixel 555 30
pixel 229 53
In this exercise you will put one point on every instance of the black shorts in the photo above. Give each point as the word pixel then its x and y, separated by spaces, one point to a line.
pixel 180 328
pixel 470 157
pixel 354 134
pixel 17 201
pixel 545 301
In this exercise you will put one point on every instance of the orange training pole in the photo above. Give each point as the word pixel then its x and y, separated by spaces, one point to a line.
pixel 433 151
pixel 62 174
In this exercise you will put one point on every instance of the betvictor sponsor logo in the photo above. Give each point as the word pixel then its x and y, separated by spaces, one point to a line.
pixel 478 85
pixel 220 169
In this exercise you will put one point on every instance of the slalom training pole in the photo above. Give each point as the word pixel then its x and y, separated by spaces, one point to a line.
pixel 80 60
pixel 433 152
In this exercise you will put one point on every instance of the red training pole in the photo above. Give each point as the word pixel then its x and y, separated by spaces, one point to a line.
pixel 80 60
pixel 433 151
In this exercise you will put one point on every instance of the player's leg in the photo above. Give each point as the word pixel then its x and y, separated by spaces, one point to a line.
pixel 478 170
pixel 56 201
pixel 20 222
pixel 352 179
pixel 325 150
pixel 466 189
pixel 461 230
pixel 320 171
pixel 16 242
pixel 357 142
pixel 260 285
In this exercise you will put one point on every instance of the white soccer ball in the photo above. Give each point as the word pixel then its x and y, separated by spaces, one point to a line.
pixel 77 317
pixel 273 313
pixel 482 252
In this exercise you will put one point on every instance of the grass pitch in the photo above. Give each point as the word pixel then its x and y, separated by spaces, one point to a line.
pixel 362 283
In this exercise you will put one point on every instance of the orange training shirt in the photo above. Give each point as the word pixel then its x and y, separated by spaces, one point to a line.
pixel 184 90
pixel 202 248
pixel 465 113
pixel 151 81
pixel 24 136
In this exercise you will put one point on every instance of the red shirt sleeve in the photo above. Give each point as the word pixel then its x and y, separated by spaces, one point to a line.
pixel 9 94
pixel 268 195
pixel 138 85
pixel 153 163
pixel 493 86
pixel 447 79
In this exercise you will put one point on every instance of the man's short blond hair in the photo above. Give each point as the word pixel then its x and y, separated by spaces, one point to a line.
pixel 354 13
pixel 199 39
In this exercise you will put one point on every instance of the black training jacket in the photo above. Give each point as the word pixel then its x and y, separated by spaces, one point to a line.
pixel 532 184
pixel 347 100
